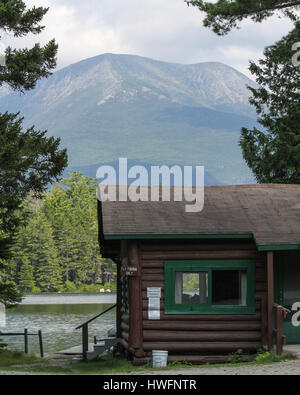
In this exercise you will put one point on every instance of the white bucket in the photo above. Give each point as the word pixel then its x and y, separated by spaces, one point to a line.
pixel 159 358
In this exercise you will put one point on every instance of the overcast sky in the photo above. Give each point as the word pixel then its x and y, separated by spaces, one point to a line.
pixel 165 30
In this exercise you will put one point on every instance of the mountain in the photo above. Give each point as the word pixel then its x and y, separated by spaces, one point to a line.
pixel 91 170
pixel 153 112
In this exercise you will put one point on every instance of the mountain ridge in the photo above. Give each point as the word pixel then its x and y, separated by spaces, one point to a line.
pixel 111 106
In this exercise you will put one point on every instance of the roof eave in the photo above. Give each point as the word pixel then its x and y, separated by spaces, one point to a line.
pixel 249 236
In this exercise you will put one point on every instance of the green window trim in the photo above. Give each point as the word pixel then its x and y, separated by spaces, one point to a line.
pixel 171 267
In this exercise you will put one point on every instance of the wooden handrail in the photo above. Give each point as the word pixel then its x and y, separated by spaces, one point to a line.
pixel 281 313
pixel 286 311
pixel 85 332
pixel 97 316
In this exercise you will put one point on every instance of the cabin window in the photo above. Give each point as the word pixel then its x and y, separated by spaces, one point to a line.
pixel 191 288
pixel 229 287
pixel 210 287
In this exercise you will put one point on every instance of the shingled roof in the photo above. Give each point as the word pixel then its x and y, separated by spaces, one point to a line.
pixel 268 213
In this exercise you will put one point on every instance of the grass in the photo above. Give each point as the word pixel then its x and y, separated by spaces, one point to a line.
pixel 105 365
pixel 11 358
pixel 18 362
pixel 268 357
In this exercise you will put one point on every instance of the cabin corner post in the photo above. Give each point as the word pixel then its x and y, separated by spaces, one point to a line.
pixel 270 279
pixel 119 299
pixel 135 295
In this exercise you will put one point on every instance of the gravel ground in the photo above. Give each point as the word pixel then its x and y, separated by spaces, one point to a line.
pixel 282 368
pixel 289 368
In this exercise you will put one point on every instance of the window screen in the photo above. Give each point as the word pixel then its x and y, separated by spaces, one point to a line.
pixel 191 288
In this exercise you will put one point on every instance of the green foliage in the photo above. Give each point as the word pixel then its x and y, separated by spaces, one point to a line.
pixel 224 15
pixel 237 357
pixel 14 17
pixel 179 365
pixel 265 357
pixel 26 276
pixel 41 250
pixel 58 251
pixel 16 361
pixel 35 290
pixel 262 357
pixel 2 346
pixel 9 358
pixel 6 243
pixel 9 293
pixel 191 281
pixel 69 287
pixel 29 161
pixel 24 67
pixel 273 153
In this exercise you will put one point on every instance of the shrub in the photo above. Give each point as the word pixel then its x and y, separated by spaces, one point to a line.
pixel 237 357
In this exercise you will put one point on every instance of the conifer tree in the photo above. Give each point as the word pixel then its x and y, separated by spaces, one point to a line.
pixel 43 255
pixel 273 153
pixel 224 15
pixel 26 275
pixel 28 159
pixel 59 245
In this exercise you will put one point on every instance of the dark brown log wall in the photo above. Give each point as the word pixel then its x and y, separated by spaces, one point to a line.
pixel 196 337
pixel 123 324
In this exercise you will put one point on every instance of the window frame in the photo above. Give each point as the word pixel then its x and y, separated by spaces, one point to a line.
pixel 171 267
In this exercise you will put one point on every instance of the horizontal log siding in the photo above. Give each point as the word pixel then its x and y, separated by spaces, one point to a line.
pixel 183 335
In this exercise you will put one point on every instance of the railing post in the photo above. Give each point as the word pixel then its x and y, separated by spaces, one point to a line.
pixel 270 277
pixel 41 344
pixel 85 332
pixel 279 333
pixel 85 341
pixel 264 321
pixel 26 341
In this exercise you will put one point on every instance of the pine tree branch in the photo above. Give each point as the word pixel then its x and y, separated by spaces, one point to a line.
pixel 224 15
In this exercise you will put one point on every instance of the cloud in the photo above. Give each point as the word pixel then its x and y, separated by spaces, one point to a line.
pixel 166 30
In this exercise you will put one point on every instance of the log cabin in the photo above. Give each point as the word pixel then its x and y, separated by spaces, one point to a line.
pixel 204 285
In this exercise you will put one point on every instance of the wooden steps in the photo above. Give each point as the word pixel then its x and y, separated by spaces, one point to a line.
pixel 99 349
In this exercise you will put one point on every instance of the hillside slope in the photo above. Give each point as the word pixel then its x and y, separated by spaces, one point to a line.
pixel 154 112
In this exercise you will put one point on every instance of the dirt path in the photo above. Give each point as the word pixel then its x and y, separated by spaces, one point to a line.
pixel 282 368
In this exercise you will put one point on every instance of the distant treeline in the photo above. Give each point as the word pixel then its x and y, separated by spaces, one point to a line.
pixel 58 250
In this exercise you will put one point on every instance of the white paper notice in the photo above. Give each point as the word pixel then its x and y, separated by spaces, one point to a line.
pixel 154 292
pixel 154 295
pixel 153 315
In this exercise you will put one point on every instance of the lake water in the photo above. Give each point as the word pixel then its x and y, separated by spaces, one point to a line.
pixel 58 316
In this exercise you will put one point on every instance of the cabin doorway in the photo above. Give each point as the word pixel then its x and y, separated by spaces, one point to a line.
pixel 287 289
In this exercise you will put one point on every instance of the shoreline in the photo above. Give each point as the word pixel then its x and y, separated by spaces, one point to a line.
pixel 69 298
